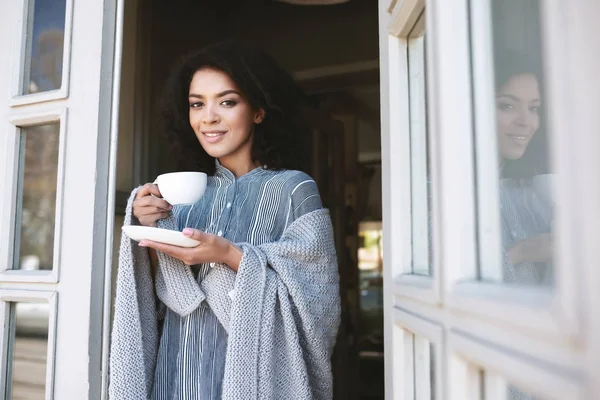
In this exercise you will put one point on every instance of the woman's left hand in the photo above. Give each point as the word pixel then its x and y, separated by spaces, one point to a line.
pixel 212 248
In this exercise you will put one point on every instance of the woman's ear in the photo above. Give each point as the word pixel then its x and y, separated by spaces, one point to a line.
pixel 259 116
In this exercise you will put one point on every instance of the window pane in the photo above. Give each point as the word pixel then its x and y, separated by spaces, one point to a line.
pixel 522 139
pixel 37 197
pixel 419 142
pixel 29 345
pixel 45 45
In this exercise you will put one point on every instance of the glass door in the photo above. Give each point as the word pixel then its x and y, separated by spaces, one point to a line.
pixel 491 196
pixel 56 142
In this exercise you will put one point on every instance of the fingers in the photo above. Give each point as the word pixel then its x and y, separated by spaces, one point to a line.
pixel 180 253
pixel 149 210
pixel 148 189
pixel 196 234
pixel 152 218
pixel 154 204
pixel 148 207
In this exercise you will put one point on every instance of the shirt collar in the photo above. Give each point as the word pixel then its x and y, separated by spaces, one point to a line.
pixel 222 172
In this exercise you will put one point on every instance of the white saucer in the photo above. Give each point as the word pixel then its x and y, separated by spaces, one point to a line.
pixel 139 233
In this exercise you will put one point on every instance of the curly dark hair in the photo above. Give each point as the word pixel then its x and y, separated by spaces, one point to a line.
pixel 279 141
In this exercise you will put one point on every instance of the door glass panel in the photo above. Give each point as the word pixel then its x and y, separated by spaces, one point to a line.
pixel 419 159
pixel 38 171
pixel 45 46
pixel 522 139
pixel 29 349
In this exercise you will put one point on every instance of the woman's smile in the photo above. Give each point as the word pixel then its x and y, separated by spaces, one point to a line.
pixel 214 136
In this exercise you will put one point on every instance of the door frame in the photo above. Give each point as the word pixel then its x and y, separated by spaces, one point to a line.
pixel 85 105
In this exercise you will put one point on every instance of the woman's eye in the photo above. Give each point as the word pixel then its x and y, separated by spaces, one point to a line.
pixel 195 105
pixel 535 109
pixel 229 103
pixel 505 106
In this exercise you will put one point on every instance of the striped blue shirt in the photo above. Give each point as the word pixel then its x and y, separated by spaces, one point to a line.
pixel 524 215
pixel 254 208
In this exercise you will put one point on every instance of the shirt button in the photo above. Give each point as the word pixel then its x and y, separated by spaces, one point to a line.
pixel 229 205
pixel 220 233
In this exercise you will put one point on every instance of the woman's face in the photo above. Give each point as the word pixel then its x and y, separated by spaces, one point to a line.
pixel 517 114
pixel 221 117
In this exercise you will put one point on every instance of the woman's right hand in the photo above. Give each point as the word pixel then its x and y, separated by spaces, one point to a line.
pixel 148 205
pixel 537 248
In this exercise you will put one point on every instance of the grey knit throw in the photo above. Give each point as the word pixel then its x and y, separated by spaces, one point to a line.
pixel 282 320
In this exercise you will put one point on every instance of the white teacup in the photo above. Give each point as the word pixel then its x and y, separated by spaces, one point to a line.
pixel 182 188
pixel 543 186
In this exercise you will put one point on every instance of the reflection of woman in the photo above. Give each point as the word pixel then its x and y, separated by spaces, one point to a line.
pixel 526 220
pixel 257 314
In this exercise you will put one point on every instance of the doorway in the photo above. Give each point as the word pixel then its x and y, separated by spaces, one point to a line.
pixel 337 66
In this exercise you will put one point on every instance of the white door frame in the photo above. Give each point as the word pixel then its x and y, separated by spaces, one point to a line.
pixel 539 339
pixel 86 106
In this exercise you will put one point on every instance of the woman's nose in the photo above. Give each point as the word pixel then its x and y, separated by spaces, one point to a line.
pixel 210 116
pixel 524 117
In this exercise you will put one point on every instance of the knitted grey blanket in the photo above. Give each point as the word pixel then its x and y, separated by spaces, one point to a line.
pixel 282 321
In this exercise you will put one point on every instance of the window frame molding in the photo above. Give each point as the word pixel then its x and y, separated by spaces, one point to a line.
pixel 547 381
pixel 406 17
pixel 405 324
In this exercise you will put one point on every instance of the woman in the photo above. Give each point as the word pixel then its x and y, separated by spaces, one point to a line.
pixel 257 313
pixel 526 219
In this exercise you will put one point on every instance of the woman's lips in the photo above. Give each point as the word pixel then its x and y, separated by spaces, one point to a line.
pixel 519 139
pixel 213 136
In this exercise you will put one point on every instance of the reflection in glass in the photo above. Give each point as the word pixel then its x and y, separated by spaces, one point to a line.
pixel 526 215
pixel 45 46
pixel 37 197
pixel 29 341
pixel 497 387
pixel 514 393
pixel 526 206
